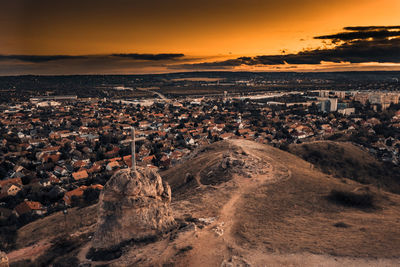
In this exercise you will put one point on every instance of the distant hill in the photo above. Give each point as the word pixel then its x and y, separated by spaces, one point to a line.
pixel 343 159
pixel 241 203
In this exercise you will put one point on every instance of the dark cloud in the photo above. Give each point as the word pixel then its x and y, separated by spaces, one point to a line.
pixel 38 59
pixel 47 58
pixel 150 56
pixel 90 64
pixel 362 34
pixel 362 44
pixel 369 28
pixel 359 44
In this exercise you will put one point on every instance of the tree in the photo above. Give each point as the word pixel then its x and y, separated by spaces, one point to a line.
pixel 76 201
pixel 91 195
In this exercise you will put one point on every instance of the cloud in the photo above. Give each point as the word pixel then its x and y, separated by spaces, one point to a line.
pixel 37 58
pixel 150 56
pixel 47 58
pixel 362 34
pixel 369 28
pixel 360 44
pixel 91 64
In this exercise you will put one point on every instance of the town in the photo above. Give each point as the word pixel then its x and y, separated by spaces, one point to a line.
pixel 57 152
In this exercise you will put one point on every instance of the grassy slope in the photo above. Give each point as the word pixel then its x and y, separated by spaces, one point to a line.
pixel 349 161
pixel 51 237
pixel 295 216
pixel 56 225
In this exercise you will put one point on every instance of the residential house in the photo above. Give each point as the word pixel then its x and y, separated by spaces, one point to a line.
pixel 79 175
pixel 78 192
pixel 112 165
pixel 9 190
pixel 32 207
pixel 16 181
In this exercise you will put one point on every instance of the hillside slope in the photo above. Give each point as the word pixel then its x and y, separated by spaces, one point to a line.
pixel 276 212
pixel 343 159
pixel 239 202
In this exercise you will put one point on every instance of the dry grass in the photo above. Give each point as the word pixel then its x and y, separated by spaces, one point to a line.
pixel 55 225
pixel 343 159
pixel 294 216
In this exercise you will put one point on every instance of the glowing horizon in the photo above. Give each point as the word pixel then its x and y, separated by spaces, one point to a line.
pixel 201 30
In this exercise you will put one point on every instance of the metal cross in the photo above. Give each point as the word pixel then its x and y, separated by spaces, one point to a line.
pixel 133 148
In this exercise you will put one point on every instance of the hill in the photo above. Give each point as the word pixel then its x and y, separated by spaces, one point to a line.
pixel 241 203
pixel 345 160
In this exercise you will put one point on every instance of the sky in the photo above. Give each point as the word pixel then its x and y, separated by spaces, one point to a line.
pixel 156 36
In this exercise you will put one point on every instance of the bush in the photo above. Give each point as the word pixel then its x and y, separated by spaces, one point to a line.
pixel 66 262
pixel 341 225
pixel 350 199
pixel 91 195
pixel 184 249
pixel 8 236
pixel 59 254
pixel 103 254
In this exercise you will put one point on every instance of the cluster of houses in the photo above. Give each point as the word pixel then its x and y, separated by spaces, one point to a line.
pixel 71 148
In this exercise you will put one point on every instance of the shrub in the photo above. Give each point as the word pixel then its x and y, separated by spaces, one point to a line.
pixel 103 254
pixel 341 225
pixel 350 199
pixel 59 254
pixel 184 249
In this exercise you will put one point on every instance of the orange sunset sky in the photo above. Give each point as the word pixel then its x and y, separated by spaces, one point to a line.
pixel 198 31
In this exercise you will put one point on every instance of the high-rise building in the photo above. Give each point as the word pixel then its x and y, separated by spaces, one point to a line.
pixel 333 104
pixel 376 98
pixel 340 94
pixel 328 104
pixel 325 105
pixel 361 97
pixel 324 93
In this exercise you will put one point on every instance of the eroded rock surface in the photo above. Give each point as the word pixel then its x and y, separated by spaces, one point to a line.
pixel 3 259
pixel 133 206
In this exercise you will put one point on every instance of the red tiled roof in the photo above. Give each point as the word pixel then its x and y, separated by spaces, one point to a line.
pixel 78 192
pixel 80 175
pixel 11 181
pixel 28 206
pixel 148 158
pixel 128 160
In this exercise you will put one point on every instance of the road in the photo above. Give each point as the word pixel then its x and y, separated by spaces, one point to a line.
pixel 163 97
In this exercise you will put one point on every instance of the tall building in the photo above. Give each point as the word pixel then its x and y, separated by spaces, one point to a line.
pixel 376 98
pixel 328 104
pixel 384 99
pixel 333 104
pixel 361 97
pixel 340 94
pixel 324 93
pixel 325 105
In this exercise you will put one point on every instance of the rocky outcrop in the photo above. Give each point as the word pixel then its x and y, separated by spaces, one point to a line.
pixel 133 206
pixel 3 259
pixel 234 162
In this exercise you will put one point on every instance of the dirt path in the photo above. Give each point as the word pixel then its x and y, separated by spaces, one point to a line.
pixel 30 252
pixel 218 235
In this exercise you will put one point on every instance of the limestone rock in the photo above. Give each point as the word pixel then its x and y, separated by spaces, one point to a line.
pixel 133 206
pixel 3 259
